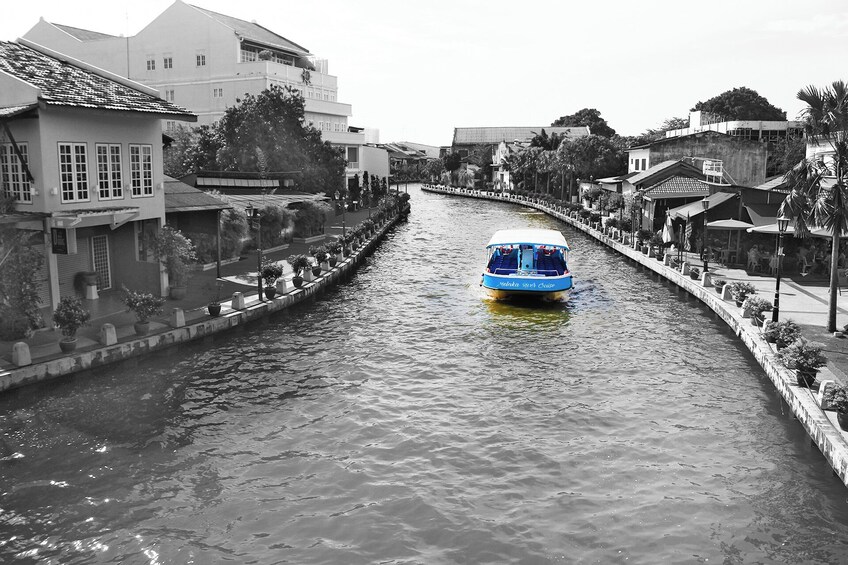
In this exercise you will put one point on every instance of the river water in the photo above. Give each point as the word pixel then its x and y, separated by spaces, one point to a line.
pixel 401 418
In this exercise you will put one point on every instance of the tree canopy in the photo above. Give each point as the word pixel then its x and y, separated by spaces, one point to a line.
pixel 741 104
pixel 263 133
pixel 586 117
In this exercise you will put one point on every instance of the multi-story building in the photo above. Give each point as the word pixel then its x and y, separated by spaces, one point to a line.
pixel 754 130
pixel 205 61
pixel 81 154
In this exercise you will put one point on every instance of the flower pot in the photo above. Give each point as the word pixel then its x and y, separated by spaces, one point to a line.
pixel 739 302
pixel 142 328
pixel 297 281
pixel 333 261
pixel 67 344
pixel 214 309
pixel 325 265
pixel 842 419
pixel 89 277
pixel 693 276
pixel 316 270
pixel 177 292
pixel 757 320
pixel 270 292
pixel 806 378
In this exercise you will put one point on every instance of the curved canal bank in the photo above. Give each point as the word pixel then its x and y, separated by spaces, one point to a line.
pixel 241 309
pixel 805 404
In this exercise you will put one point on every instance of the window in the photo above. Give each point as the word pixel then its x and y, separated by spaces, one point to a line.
pixel 73 171
pixel 201 59
pixel 141 170
pixel 13 179
pixel 109 178
pixel 326 95
pixel 636 165
pixel 248 55
pixel 217 92
pixel 644 164
pixel 169 95
pixel 168 62
pixel 151 63
pixel 353 157
pixel 170 125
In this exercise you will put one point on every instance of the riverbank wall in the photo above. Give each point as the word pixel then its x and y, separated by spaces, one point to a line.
pixel 804 403
pixel 234 314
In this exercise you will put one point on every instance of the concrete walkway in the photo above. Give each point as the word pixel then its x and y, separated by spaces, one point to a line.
pixel 202 286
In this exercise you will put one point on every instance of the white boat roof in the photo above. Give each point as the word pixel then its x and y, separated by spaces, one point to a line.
pixel 528 237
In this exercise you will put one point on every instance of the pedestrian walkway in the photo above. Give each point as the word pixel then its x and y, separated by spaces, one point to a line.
pixel 203 286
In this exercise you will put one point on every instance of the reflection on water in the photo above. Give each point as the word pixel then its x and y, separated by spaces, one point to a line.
pixel 403 418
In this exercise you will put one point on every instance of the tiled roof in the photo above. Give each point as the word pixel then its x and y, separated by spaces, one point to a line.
pixel 64 84
pixel 180 197
pixel 487 135
pixel 9 111
pixel 253 31
pixel 678 186
pixel 84 34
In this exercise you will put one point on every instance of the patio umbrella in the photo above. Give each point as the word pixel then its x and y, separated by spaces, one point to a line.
pixel 668 230
pixel 731 225
pixel 769 229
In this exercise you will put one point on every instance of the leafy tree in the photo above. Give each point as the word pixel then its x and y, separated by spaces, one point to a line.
pixel 586 117
pixel 452 161
pixel 785 154
pixel 741 104
pixel 655 134
pixel 819 195
pixel 433 169
pixel 20 263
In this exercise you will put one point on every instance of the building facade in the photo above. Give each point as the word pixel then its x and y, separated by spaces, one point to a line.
pixel 205 61
pixel 81 154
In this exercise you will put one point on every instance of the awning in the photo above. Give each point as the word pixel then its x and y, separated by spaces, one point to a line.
pixel 528 237
pixel 694 208
pixel 733 225
pixel 763 214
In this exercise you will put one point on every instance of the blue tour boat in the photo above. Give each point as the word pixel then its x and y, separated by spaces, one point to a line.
pixel 527 263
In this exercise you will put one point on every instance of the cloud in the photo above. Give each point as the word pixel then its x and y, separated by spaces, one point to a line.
pixel 830 24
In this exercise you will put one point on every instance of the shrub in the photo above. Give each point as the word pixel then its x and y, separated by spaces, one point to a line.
pixel 719 283
pixel 644 235
pixel 70 316
pixel 271 271
pixel 277 224
pixel 309 220
pixel 176 251
pixel 143 304
pixel 612 223
pixel 837 397
pixel 783 333
pixel 757 305
pixel 233 233
pixel 626 224
pixel 803 356
pixel 741 290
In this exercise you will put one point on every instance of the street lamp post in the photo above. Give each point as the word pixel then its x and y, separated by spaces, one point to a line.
pixel 782 225
pixel 344 213
pixel 704 251
pixel 255 219
pixel 637 221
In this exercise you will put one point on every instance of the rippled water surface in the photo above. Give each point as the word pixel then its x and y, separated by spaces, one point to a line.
pixel 401 418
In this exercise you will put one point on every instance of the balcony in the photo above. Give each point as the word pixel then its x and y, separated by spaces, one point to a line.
pixel 327 107
pixel 343 137
pixel 286 73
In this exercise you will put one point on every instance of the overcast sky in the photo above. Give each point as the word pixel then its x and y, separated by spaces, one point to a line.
pixel 417 70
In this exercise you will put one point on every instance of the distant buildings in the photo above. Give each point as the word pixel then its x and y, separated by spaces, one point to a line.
pixel 466 139
pixel 205 61
pixel 753 130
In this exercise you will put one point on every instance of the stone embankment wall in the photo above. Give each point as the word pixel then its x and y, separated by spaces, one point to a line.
pixel 805 404
pixel 229 319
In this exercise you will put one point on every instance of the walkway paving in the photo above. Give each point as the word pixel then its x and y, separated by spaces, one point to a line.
pixel 202 287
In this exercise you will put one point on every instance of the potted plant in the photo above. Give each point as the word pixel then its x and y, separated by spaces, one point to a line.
pixel 214 306
pixel 719 285
pixel 741 290
pixel 837 398
pixel 299 263
pixel 806 358
pixel 782 334
pixel 756 305
pixel 694 273
pixel 70 316
pixel 143 305
pixel 335 250
pixel 271 271
pixel 656 242
pixel 176 252
pixel 322 257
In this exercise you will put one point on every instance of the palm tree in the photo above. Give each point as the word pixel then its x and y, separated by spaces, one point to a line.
pixel 819 192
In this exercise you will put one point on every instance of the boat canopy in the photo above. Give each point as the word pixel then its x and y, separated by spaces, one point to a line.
pixel 552 238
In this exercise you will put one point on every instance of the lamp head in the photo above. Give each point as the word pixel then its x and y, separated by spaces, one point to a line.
pixel 782 224
pixel 706 204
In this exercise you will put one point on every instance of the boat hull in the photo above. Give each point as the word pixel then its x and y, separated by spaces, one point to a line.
pixel 548 289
